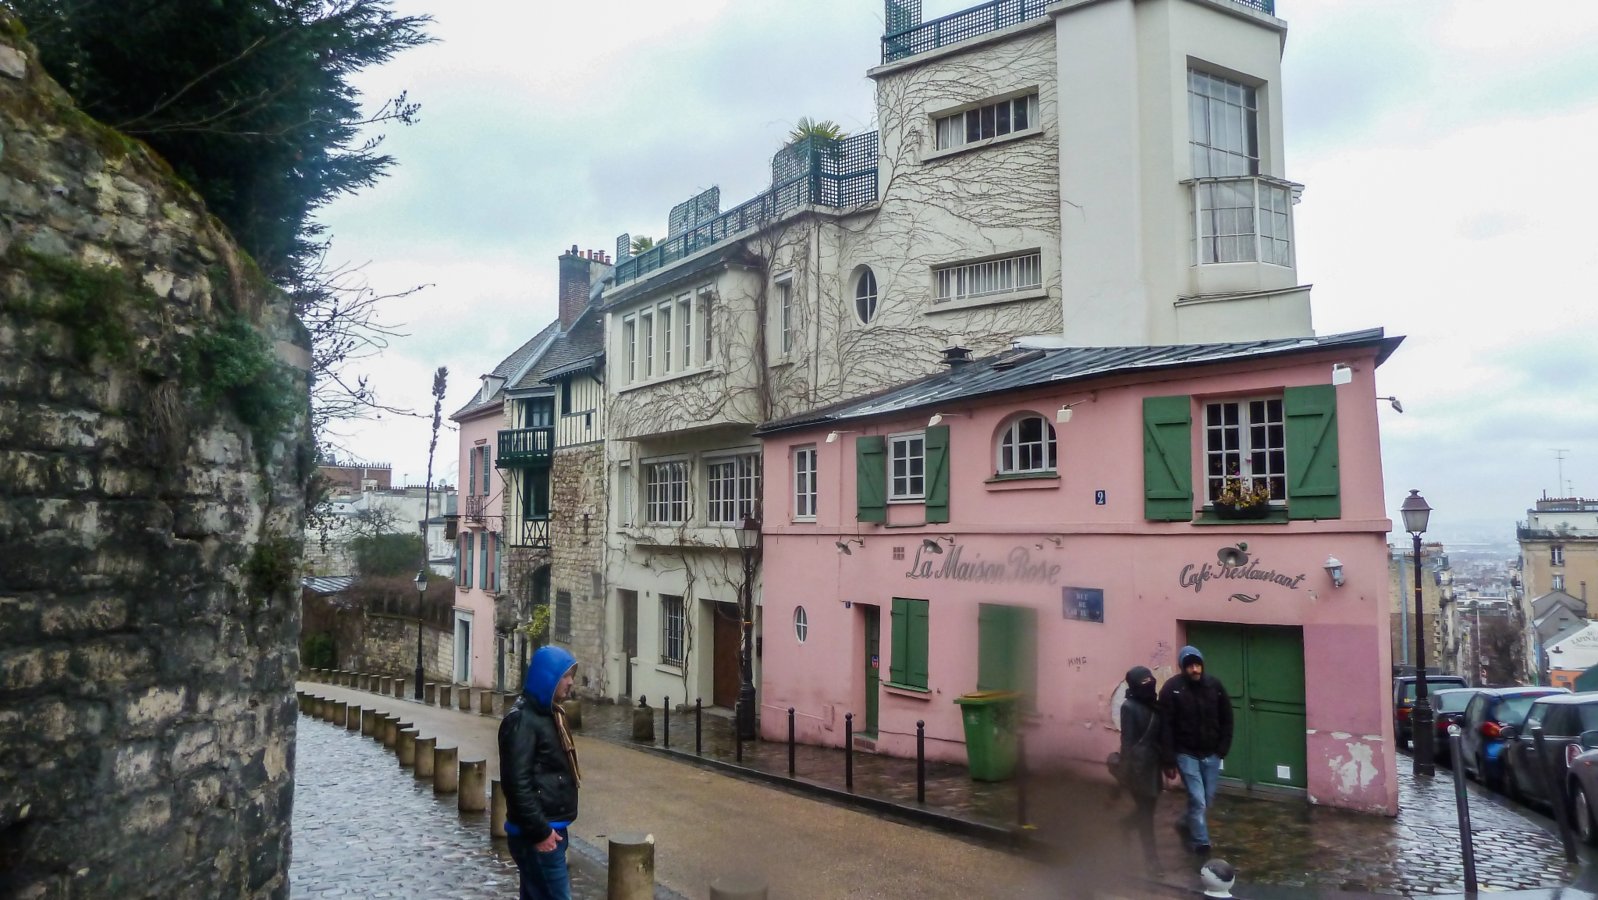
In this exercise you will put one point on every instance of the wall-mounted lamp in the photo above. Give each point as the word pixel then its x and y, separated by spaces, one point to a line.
pixel 1063 414
pixel 832 436
pixel 1053 538
pixel 931 545
pixel 843 546
pixel 939 417
pixel 1342 373
pixel 1397 407
pixel 1334 570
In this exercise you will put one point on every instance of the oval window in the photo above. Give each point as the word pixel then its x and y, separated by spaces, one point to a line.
pixel 865 296
pixel 801 623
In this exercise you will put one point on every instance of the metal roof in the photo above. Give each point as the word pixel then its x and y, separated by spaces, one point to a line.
pixel 1024 368
pixel 327 584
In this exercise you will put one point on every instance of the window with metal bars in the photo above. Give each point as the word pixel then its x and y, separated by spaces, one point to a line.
pixel 673 626
pixel 988 278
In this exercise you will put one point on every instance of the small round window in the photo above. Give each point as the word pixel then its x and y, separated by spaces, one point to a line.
pixel 865 295
pixel 801 623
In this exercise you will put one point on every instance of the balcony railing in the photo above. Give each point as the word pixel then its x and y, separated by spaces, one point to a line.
pixel 960 26
pixel 526 446
pixel 476 507
pixel 813 172
pixel 531 532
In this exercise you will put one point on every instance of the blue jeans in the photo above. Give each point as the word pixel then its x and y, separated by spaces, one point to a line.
pixel 544 875
pixel 1200 777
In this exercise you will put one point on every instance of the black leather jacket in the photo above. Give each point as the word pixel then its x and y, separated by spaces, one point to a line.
pixel 540 786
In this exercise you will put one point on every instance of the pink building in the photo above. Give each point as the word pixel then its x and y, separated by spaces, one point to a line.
pixel 479 542
pixel 1043 520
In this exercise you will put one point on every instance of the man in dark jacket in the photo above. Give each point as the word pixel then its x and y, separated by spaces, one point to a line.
pixel 538 767
pixel 1196 734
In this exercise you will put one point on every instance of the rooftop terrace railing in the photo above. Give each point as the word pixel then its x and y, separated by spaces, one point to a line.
pixel 815 172
pixel 986 19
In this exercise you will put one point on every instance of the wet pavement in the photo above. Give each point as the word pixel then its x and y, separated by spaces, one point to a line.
pixel 365 827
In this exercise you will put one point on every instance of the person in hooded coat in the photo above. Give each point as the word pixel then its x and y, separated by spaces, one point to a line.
pixel 538 769
pixel 1196 734
pixel 1140 755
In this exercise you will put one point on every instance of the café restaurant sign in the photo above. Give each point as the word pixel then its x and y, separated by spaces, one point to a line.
pixel 1018 567
pixel 1233 564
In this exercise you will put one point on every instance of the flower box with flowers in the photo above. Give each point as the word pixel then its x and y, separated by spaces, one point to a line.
pixel 1242 499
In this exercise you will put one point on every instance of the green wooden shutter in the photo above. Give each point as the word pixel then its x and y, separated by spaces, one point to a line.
pixel 1313 482
pixel 482 561
pixel 471 472
pixel 470 540
pixel 937 450
pixel 1167 458
pixel 995 647
pixel 917 641
pixel 871 479
pixel 898 644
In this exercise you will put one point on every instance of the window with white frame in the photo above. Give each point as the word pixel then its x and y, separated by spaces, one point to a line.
pixel 667 341
pixel 673 627
pixel 1559 581
pixel 989 277
pixel 646 325
pixel 804 482
pixel 666 487
pixel 1556 555
pixel 707 325
pixel 732 487
pixel 865 295
pixel 1223 126
pixel 1243 220
pixel 629 343
pixel 1028 446
pixel 785 314
pixel 907 467
pixel 987 121
pixel 1246 440
pixel 685 316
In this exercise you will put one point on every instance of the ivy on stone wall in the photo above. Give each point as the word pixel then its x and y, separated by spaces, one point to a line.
pixel 233 364
pixel 273 566
pixel 90 302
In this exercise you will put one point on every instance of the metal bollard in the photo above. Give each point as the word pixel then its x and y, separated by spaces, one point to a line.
pixel 473 796
pixel 353 721
pixel 405 748
pixel 665 722
pixel 496 810
pixel 737 888
pixel 1466 846
pixel 446 770
pixel 1020 780
pixel 631 874
pixel 848 751
pixel 1554 794
pixel 424 758
pixel 790 742
pixel 921 761
pixel 699 727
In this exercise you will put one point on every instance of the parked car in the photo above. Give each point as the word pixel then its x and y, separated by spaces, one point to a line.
pixel 1404 700
pixel 1486 716
pixel 1582 783
pixel 1570 726
pixel 1448 708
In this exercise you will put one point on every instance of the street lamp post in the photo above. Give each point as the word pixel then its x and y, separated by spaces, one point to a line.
pixel 748 540
pixel 421 594
pixel 1416 512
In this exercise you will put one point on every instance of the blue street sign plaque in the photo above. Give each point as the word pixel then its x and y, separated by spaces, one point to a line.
pixel 1083 604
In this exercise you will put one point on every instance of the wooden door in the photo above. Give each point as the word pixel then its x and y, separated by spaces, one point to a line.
pixel 725 676
pixel 629 636
pixel 873 661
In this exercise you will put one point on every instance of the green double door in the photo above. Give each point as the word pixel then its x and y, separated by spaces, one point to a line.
pixel 1262 667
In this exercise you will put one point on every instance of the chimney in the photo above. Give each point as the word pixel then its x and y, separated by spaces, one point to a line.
pixel 574 270
pixel 956 356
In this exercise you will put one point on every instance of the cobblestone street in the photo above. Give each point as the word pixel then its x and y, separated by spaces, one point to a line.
pixel 364 827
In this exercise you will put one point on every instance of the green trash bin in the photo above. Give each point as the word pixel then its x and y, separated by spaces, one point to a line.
pixel 989 718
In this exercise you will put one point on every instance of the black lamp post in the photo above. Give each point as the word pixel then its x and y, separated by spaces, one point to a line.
pixel 421 594
pixel 1416 512
pixel 748 540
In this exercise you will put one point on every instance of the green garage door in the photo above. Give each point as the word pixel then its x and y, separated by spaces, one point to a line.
pixel 1262 667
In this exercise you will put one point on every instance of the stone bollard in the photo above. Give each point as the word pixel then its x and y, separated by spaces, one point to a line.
pixel 643 724
pixel 405 748
pixel 343 678
pixel 737 887
pixel 353 722
pixel 329 707
pixel 429 693
pixel 632 867
pixel 463 700
pixel 399 688
pixel 485 702
pixel 473 795
pixel 369 722
pixel 319 706
pixel 424 757
pixel 446 771
pixel 400 727
pixel 303 700
pixel 496 810
pixel 382 684
pixel 341 711
pixel 574 713
pixel 361 681
pixel 446 696
pixel 390 730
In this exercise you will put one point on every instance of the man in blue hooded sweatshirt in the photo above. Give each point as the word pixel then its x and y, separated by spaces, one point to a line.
pixel 538 767
pixel 1196 734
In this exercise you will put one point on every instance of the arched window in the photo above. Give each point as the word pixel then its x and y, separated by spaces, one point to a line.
pixel 1027 446
pixel 865 295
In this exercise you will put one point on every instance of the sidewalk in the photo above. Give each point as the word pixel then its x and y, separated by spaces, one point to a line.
pixel 710 824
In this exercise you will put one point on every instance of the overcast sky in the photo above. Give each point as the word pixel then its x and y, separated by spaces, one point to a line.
pixel 1445 146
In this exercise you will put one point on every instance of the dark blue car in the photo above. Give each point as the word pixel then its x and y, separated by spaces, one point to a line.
pixel 1488 713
